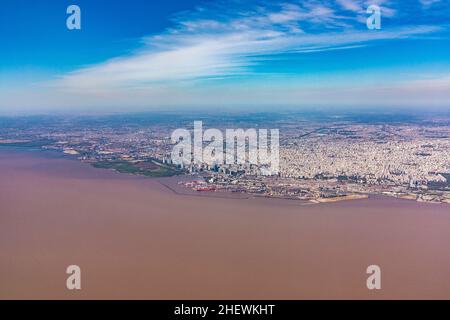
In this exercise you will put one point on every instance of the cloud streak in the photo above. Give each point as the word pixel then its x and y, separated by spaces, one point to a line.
pixel 220 43
pixel 234 53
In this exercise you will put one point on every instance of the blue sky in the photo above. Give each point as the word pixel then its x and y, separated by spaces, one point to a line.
pixel 139 55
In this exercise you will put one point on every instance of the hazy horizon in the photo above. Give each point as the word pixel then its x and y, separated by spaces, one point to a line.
pixel 231 110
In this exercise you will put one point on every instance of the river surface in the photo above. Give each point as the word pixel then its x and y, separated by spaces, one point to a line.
pixel 134 238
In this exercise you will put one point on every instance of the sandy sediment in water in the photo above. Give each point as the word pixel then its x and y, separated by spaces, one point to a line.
pixel 135 239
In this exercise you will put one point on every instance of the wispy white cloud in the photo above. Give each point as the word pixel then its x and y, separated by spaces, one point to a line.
pixel 211 43
pixel 230 54
pixel 187 63
pixel 429 2
pixel 352 5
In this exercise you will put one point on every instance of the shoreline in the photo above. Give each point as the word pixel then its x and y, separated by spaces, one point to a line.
pixel 185 191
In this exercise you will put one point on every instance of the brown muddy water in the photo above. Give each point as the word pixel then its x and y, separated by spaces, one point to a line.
pixel 135 239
